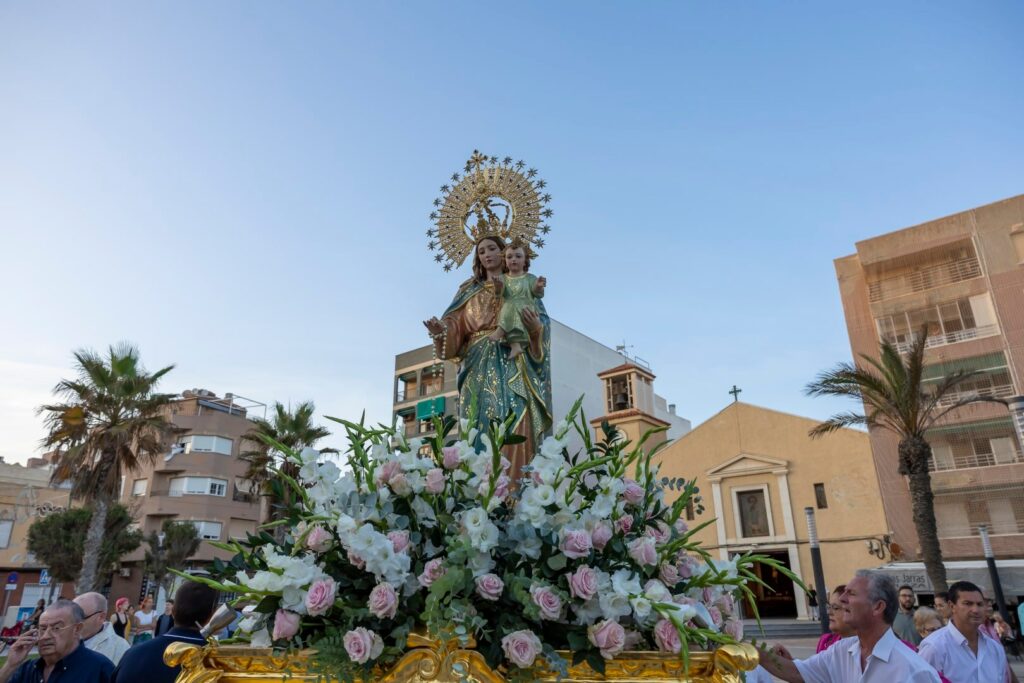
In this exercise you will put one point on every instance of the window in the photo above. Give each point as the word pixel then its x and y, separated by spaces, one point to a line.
pixel 198 486
pixel 139 487
pixel 207 530
pixel 6 526
pixel 207 444
pixel 819 496
pixel 1018 243
pixel 753 513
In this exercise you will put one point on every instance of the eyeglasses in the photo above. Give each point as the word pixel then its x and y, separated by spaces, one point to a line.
pixel 52 629
pixel 90 616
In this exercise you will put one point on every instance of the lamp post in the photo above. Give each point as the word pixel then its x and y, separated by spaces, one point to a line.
pixel 993 573
pixel 819 573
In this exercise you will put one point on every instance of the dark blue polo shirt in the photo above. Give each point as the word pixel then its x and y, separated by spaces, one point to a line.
pixel 145 662
pixel 81 666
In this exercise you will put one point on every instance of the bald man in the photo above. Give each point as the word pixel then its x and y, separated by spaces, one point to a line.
pixel 97 634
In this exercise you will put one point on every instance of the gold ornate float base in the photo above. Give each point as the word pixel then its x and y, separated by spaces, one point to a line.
pixel 426 661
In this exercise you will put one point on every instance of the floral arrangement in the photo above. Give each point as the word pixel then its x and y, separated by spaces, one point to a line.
pixel 583 554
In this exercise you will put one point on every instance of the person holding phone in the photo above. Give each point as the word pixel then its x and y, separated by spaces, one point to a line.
pixel 63 658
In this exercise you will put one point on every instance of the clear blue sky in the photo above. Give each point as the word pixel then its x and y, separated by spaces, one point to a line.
pixel 242 188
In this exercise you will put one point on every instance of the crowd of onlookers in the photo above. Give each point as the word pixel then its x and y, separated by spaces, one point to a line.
pixel 876 635
pixel 79 641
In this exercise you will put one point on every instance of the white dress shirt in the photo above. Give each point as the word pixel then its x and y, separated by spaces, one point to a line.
pixel 947 650
pixel 108 644
pixel 890 661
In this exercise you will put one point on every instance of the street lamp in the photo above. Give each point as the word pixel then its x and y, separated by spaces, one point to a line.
pixel 819 573
pixel 993 573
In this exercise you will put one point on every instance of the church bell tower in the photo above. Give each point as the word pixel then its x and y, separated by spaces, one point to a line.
pixel 629 402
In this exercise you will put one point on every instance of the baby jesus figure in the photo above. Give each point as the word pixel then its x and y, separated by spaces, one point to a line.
pixel 519 290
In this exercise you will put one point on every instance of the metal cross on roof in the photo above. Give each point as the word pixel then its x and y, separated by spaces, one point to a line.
pixel 735 393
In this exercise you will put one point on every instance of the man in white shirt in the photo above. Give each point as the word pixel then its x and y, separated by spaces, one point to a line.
pixel 873 655
pixel 959 650
pixel 97 633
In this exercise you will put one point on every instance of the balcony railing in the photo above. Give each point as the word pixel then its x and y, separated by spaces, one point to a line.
pixel 1002 391
pixel 950 337
pixel 963 462
pixel 925 278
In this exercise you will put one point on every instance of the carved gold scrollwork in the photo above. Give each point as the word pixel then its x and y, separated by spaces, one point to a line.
pixel 430 661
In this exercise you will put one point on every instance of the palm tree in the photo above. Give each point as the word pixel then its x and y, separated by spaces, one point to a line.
pixel 891 391
pixel 292 429
pixel 110 422
pixel 170 549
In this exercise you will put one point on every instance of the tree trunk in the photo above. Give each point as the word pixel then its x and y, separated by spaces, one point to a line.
pixel 915 454
pixel 88 580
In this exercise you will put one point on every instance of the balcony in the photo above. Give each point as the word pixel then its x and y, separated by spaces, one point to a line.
pixel 968 461
pixel 947 338
pixel 922 279
pixel 1002 391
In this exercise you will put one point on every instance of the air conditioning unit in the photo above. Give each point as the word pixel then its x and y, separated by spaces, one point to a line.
pixel 126 572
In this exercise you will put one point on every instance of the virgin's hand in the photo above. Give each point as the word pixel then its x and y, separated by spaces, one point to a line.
pixel 434 326
pixel 531 320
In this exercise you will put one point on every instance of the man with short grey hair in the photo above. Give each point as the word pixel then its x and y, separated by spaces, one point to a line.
pixel 872 655
pixel 97 633
pixel 62 656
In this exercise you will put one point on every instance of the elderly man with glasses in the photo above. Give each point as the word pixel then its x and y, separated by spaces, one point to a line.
pixel 97 634
pixel 63 658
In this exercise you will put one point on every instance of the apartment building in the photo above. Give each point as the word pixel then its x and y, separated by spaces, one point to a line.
pixel 962 278
pixel 199 481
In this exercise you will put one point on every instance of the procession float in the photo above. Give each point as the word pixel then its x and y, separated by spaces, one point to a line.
pixel 493 549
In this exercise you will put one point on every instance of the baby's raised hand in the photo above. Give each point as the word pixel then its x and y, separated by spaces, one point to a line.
pixel 538 288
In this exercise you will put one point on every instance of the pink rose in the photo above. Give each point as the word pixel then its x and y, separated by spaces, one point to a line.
pixel 624 524
pixel 383 601
pixel 451 457
pixel 583 583
pixel 727 604
pixel 319 539
pixel 681 526
pixel 356 561
pixel 320 596
pixel 716 615
pixel 685 566
pixel 489 586
pixel 286 624
pixel 608 636
pixel 668 573
pixel 601 534
pixel 399 540
pixel 734 628
pixel 399 483
pixel 435 481
pixel 659 531
pixel 632 493
pixel 432 571
pixel 362 645
pixel 666 637
pixel 521 648
pixel 386 471
pixel 549 603
pixel 643 552
pixel 576 544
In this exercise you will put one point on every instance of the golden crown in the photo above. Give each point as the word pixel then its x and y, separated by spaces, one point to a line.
pixel 494 198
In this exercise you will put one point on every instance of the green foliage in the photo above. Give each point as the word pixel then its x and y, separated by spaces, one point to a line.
pixel 181 541
pixel 57 540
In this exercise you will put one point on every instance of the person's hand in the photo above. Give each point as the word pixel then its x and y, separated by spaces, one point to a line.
pixel 538 288
pixel 781 651
pixel 22 646
pixel 435 326
pixel 531 320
